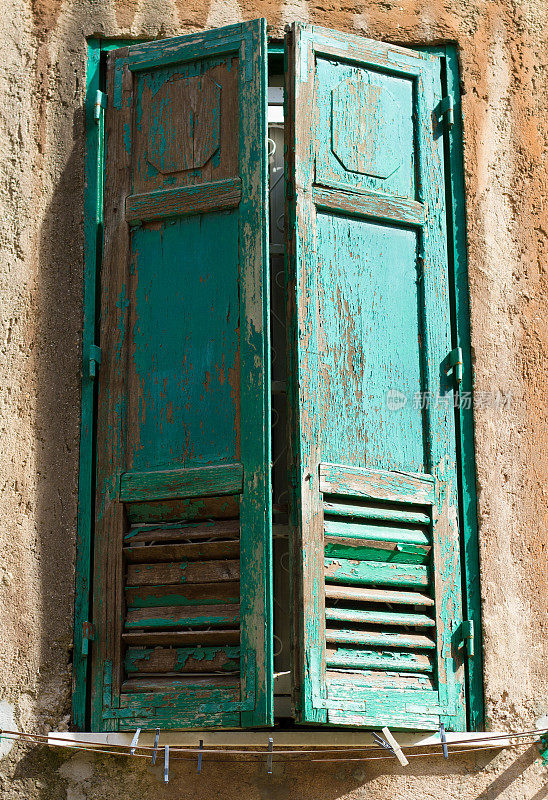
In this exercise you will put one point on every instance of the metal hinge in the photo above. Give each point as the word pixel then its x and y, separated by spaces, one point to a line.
pixel 99 105
pixel 467 636
pixel 447 110
pixel 88 634
pixel 454 364
pixel 94 359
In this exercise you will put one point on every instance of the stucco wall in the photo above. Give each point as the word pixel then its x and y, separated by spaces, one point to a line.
pixel 504 56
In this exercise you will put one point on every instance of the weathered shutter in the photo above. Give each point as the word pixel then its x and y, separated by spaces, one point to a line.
pixel 375 539
pixel 182 602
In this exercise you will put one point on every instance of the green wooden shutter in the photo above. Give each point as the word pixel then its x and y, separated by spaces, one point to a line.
pixel 182 589
pixel 375 538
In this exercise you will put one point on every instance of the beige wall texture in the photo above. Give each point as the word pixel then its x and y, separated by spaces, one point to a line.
pixel 504 56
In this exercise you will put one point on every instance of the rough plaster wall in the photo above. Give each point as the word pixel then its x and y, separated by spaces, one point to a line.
pixel 504 57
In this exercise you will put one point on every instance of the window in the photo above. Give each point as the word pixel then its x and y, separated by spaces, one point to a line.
pixel 191 413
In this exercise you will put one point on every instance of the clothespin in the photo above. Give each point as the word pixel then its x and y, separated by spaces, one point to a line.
pixel 134 741
pixel 166 764
pixel 155 751
pixel 443 740
pixel 269 759
pixel 200 756
pixel 391 745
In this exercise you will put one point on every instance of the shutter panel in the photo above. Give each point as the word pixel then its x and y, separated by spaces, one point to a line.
pixel 182 605
pixel 377 610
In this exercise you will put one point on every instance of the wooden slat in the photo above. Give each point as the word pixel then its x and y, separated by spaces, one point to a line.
pixel 188 509
pixel 390 487
pixel 217 529
pixel 378 617
pixel 386 660
pixel 188 683
pixel 376 551
pixel 370 204
pixel 181 483
pixel 193 594
pixel 375 513
pixel 181 638
pixel 360 594
pixel 380 639
pixel 182 552
pixel 206 197
pixel 341 570
pixel 186 616
pixel 183 572
pixel 381 533
pixel 182 659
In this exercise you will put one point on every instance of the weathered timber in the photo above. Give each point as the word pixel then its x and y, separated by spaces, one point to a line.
pixel 186 683
pixel 385 660
pixel 200 199
pixel 380 639
pixel 359 594
pixel 385 513
pixel 378 617
pixel 182 572
pixel 181 483
pixel 182 659
pixel 214 529
pixel 341 570
pixel 164 617
pixel 221 636
pixel 392 487
pixel 386 533
pixel 182 552
pixel 193 594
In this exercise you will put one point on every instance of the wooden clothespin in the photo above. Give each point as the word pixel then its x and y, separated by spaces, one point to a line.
pixel 166 764
pixel 155 751
pixel 443 741
pixel 269 759
pixel 134 741
pixel 200 756
pixel 389 743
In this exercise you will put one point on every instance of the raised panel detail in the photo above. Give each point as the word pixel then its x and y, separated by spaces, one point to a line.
pixel 365 128
pixel 184 120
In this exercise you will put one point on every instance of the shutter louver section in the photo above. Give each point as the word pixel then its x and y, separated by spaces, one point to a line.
pixel 379 593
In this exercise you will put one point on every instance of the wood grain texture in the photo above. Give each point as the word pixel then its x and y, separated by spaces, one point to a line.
pixel 164 617
pixel 194 551
pixel 183 572
pixel 368 204
pixel 182 659
pixel 199 199
pixel 181 638
pixel 196 531
pixel 341 570
pixel 190 594
pixel 354 593
pixel 391 487
pixel 181 483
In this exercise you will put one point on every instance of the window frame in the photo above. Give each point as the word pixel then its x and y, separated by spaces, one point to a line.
pixel 460 312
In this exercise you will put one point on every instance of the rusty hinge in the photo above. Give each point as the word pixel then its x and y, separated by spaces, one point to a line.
pixel 88 634
pixel 467 636
pixel 447 110
pixel 94 359
pixel 454 364
pixel 99 105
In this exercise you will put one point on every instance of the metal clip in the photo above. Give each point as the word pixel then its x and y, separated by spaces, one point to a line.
pixel 200 756
pixel 467 635
pixel 443 740
pixel 155 751
pixel 166 764
pixel 269 759
pixel 134 741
